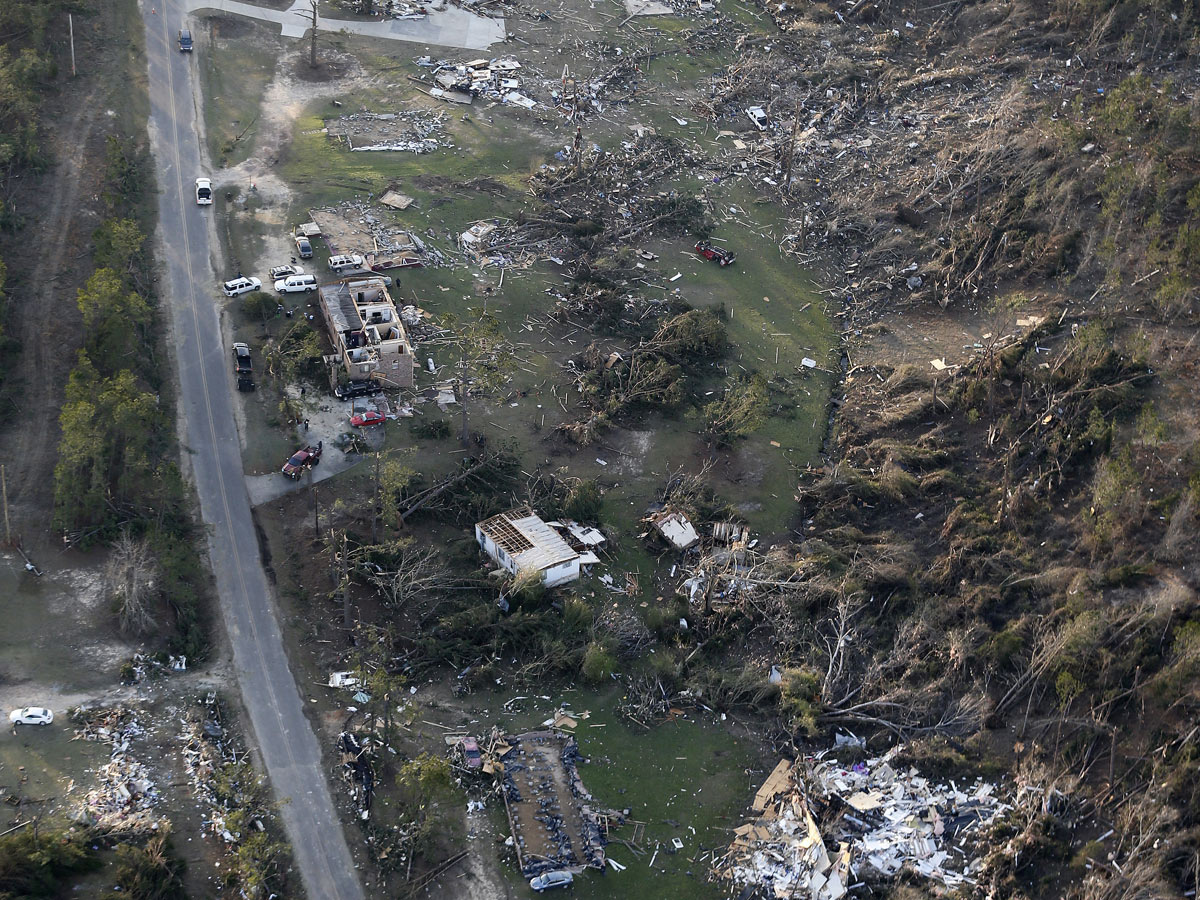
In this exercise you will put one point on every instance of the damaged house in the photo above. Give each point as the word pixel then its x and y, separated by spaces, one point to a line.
pixel 367 333
pixel 521 542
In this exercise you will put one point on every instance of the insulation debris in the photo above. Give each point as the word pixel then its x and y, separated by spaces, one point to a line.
pixel 125 796
pixel 411 131
pixel 875 821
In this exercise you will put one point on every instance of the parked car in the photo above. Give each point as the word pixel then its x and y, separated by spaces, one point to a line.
pixel 719 255
pixel 469 748
pixel 345 261
pixel 284 271
pixel 758 116
pixel 204 192
pixel 303 247
pixel 302 460
pixel 296 284
pixel 31 715
pixel 241 285
pixel 364 413
pixel 185 41
pixel 357 387
pixel 245 383
pixel 547 880
pixel 242 364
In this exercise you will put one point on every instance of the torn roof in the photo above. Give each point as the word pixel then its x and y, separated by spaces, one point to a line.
pixel 528 541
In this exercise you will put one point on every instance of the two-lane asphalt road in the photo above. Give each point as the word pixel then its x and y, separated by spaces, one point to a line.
pixel 287 743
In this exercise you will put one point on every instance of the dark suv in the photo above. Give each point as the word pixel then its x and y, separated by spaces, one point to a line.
pixel 185 40
pixel 356 388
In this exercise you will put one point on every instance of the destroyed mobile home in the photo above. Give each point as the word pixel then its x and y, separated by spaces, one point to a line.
pixel 820 827
pixel 554 823
pixel 526 546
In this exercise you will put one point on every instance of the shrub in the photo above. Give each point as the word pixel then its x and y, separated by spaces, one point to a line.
pixel 598 663
pixel 799 700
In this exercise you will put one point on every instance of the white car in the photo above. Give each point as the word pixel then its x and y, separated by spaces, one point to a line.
pixel 284 271
pixel 296 284
pixel 31 715
pixel 241 285
pixel 345 261
pixel 204 191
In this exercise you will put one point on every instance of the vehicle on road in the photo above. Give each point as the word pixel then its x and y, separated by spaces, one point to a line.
pixel 185 41
pixel 547 880
pixel 242 363
pixel 302 460
pixel 344 261
pixel 303 247
pixel 31 715
pixel 296 284
pixel 204 192
pixel 284 271
pixel 719 255
pixel 364 413
pixel 241 285
pixel 357 387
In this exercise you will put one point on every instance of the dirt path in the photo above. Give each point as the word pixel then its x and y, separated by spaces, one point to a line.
pixel 28 443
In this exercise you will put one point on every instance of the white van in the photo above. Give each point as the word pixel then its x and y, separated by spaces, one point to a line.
pixel 345 261
pixel 296 284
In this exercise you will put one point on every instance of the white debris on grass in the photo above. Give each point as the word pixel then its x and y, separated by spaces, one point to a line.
pixel 883 820
pixel 125 797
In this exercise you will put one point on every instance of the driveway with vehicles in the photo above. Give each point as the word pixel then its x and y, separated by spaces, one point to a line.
pixel 285 739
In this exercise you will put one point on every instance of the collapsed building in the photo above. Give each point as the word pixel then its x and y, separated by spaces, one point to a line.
pixel 820 825
pixel 525 545
pixel 555 825
pixel 367 333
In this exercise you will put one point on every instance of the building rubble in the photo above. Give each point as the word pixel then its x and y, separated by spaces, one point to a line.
pixel 125 796
pixel 411 131
pixel 358 770
pixel 213 758
pixel 820 826
pixel 355 226
pixel 553 820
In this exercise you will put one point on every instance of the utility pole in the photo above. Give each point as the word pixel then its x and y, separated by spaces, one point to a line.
pixel 344 584
pixel 4 491
pixel 316 520
pixel 791 151
pixel 71 29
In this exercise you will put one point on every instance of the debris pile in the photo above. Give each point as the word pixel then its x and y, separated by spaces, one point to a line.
pixel 554 824
pixel 220 773
pixel 881 820
pixel 495 79
pixel 353 226
pixel 357 771
pixel 411 131
pixel 125 797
